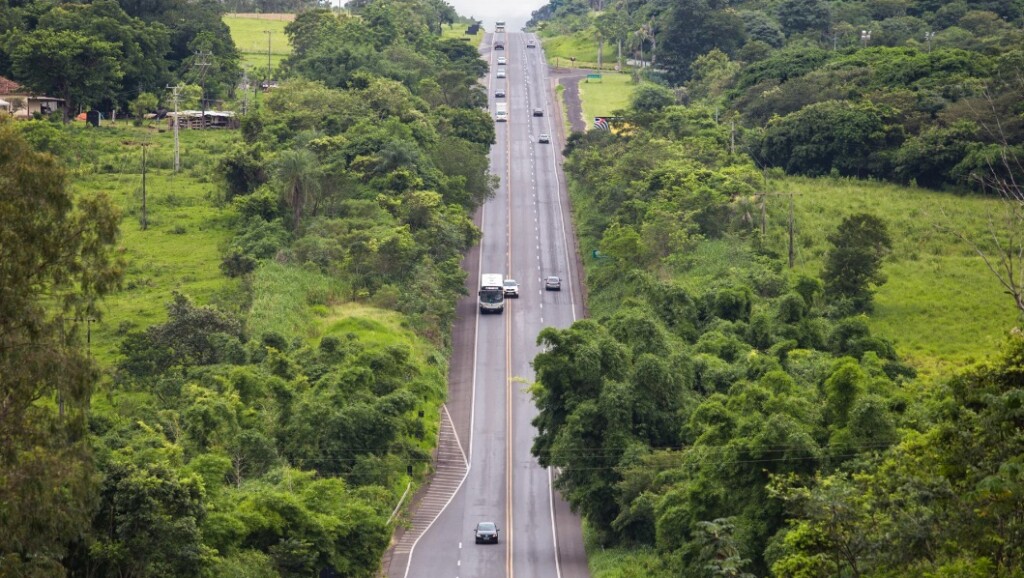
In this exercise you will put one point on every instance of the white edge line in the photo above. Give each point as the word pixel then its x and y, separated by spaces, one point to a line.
pixel 554 529
pixel 472 409
pixel 572 301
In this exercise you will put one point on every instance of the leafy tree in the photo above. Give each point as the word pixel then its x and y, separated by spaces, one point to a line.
pixel 694 27
pixel 798 16
pixel 58 263
pixel 144 103
pixel 299 174
pixel 81 69
pixel 854 262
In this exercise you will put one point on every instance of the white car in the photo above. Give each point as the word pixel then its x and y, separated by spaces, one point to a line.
pixel 501 73
pixel 502 60
pixel 511 288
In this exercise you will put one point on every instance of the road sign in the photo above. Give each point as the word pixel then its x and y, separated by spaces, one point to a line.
pixel 593 77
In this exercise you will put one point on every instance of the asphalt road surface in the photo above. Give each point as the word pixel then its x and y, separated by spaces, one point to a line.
pixel 526 236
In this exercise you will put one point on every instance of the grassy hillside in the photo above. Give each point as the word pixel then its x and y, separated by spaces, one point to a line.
pixel 179 250
pixel 250 35
pixel 941 305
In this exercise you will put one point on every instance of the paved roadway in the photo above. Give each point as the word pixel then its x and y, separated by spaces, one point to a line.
pixel 526 236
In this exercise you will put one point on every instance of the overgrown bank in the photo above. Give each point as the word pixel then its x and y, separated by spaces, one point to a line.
pixel 277 349
pixel 722 414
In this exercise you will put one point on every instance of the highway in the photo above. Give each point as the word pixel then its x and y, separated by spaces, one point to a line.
pixel 526 236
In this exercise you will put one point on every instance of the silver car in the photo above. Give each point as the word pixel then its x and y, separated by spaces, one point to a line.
pixel 553 283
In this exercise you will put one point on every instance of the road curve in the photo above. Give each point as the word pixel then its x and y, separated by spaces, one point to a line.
pixel 527 235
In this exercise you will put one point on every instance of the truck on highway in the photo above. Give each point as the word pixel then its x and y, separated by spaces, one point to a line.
pixel 499 26
pixel 501 112
pixel 492 293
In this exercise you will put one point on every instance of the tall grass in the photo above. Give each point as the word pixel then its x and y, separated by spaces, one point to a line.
pixel 288 300
pixel 940 304
pixel 186 223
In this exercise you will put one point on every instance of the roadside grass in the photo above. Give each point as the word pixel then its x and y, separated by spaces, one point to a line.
pixel 619 562
pixel 583 46
pixel 604 97
pixel 290 300
pixel 179 250
pixel 250 36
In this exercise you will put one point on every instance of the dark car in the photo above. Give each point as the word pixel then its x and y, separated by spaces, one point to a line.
pixel 500 93
pixel 499 46
pixel 553 283
pixel 486 532
pixel 538 112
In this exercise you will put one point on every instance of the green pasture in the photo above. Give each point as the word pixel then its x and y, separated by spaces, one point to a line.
pixel 582 45
pixel 179 249
pixel 458 30
pixel 941 305
pixel 250 36
pixel 605 96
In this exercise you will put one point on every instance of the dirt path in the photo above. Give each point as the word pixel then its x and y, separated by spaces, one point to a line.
pixel 570 79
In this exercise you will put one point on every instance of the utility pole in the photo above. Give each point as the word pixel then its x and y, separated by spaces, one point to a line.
pixel 269 33
pixel 203 64
pixel 177 158
pixel 732 138
pixel 245 91
pixel 145 220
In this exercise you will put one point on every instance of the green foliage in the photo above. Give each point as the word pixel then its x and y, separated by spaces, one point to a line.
pixel 855 260
pixel 58 261
pixel 144 103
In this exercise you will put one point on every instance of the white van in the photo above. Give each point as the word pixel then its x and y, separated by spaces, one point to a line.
pixel 501 112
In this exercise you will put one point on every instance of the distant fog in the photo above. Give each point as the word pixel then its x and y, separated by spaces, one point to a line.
pixel 515 13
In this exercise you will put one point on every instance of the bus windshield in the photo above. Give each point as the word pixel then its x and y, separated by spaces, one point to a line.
pixel 492 295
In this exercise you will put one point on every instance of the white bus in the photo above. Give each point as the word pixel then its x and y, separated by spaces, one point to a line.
pixel 501 112
pixel 499 26
pixel 492 293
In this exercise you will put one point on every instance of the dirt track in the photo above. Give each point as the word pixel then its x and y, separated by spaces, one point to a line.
pixel 570 79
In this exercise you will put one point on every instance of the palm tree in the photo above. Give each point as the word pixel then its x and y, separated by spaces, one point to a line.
pixel 299 173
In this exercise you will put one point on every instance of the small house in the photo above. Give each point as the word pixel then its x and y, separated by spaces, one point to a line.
pixel 191 119
pixel 22 103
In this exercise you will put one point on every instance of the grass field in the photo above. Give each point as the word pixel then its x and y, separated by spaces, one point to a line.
pixel 458 30
pixel 250 36
pixel 605 96
pixel 581 45
pixel 940 305
pixel 179 250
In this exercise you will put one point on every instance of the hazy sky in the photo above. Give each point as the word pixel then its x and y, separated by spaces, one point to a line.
pixel 515 13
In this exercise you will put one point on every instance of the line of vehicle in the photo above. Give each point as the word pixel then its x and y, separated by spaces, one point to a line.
pixel 509 440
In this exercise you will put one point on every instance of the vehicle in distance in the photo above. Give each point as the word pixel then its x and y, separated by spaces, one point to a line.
pixel 538 112
pixel 486 532
pixel 502 60
pixel 499 93
pixel 492 293
pixel 553 283
pixel 500 112
pixel 511 288
pixel 501 73
pixel 499 26
pixel 499 46
pixel 544 138
pixel 531 44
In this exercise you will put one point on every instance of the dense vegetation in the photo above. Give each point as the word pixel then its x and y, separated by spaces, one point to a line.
pixel 909 91
pixel 106 54
pixel 722 414
pixel 269 431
